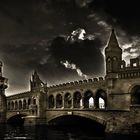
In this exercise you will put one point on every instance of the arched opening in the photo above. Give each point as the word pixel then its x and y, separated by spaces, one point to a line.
pixel 24 104
pixel 115 64
pixel 88 99
pixel 20 104
pixel 109 65
pixel 8 106
pixel 135 95
pixel 51 101
pixel 12 105
pixel 67 100
pixel 59 101
pixel 91 102
pixel 101 99
pixel 75 121
pixel 16 120
pixel 16 105
pixel 101 103
pixel 77 100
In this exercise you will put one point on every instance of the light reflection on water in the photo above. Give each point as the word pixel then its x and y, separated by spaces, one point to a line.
pixel 53 133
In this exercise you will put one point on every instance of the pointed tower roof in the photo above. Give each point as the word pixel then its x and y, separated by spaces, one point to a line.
pixel 113 44
pixel 113 39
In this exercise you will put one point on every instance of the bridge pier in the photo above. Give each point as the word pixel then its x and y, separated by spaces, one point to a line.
pixel 115 127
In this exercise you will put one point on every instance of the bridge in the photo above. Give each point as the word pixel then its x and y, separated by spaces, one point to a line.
pixel 112 101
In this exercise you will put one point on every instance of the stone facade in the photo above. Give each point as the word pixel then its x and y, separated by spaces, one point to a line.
pixel 113 100
pixel 3 86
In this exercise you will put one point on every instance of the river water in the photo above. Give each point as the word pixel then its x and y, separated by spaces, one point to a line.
pixel 8 132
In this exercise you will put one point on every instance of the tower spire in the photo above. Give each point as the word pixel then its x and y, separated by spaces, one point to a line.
pixel 113 42
pixel 35 82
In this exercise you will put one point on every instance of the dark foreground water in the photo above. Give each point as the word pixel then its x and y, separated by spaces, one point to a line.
pixel 55 133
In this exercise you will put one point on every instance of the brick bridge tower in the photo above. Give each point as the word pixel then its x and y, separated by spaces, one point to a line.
pixel 113 54
pixel 3 86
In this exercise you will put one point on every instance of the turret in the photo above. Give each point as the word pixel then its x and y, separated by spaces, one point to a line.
pixel 35 83
pixel 3 86
pixel 113 55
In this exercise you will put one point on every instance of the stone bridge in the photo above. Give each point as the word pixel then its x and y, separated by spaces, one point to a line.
pixel 112 101
pixel 92 99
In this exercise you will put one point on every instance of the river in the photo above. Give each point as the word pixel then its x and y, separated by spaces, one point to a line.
pixel 8 132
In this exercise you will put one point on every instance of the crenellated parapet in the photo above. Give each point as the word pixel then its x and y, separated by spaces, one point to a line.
pixel 133 64
pixel 19 95
pixel 77 83
pixel 130 71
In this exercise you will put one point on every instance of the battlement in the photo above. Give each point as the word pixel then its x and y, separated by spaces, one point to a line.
pixel 134 64
pixel 130 71
pixel 18 94
pixel 77 83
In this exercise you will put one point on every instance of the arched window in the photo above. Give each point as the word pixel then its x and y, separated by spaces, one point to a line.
pixel 12 105
pixel 101 99
pixel 59 101
pixel 76 100
pixel 88 99
pixel 16 105
pixel 51 101
pixel 115 63
pixel 91 102
pixel 101 103
pixel 24 104
pixel 109 65
pixel 20 104
pixel 67 100
pixel 8 106
pixel 135 95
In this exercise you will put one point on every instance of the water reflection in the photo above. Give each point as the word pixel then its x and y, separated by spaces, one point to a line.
pixel 53 133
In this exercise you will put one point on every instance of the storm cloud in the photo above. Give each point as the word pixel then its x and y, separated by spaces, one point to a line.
pixel 34 35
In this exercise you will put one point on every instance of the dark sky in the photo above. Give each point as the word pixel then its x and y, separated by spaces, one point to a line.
pixel 33 35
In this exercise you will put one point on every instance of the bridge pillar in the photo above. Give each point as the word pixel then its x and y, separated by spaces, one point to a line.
pixel 63 103
pixel 72 105
pixel 114 126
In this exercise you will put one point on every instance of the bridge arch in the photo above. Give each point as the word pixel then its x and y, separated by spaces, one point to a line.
pixel 16 119
pixel 82 114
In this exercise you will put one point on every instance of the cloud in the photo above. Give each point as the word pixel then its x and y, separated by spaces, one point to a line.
pixel 103 23
pixel 73 67
pixel 131 49
pixel 118 14
pixel 27 27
